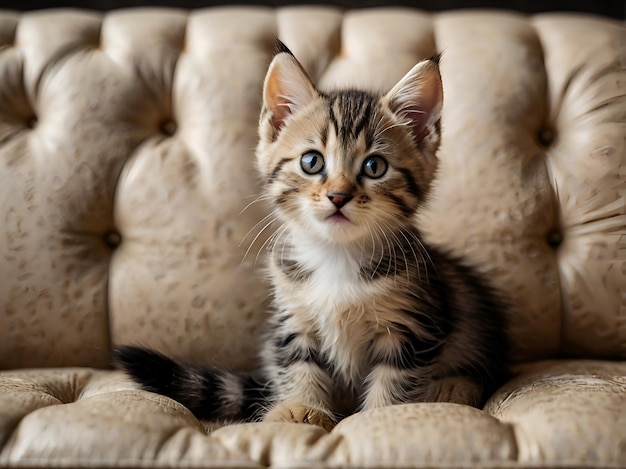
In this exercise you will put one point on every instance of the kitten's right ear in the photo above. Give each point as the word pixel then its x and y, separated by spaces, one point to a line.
pixel 287 88
pixel 418 98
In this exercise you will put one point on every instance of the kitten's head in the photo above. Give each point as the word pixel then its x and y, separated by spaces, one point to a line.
pixel 348 165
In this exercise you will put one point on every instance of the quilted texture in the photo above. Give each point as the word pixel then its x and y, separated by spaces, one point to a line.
pixel 554 413
pixel 126 187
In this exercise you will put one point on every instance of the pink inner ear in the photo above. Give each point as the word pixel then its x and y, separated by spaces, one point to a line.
pixel 280 111
pixel 418 97
pixel 287 89
pixel 423 109
pixel 279 105
pixel 418 121
pixel 282 108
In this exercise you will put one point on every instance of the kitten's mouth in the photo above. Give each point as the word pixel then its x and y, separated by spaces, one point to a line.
pixel 338 217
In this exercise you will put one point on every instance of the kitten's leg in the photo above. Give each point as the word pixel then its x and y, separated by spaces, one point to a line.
pixel 389 385
pixel 303 383
pixel 457 389
pixel 402 367
pixel 304 397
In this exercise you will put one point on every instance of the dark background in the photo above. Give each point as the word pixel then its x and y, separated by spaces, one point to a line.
pixel 611 8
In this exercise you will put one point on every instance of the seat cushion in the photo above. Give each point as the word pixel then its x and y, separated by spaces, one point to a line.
pixel 554 413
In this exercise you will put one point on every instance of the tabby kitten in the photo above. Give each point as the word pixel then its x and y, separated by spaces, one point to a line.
pixel 366 314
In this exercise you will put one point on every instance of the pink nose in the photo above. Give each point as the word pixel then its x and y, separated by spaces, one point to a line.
pixel 339 199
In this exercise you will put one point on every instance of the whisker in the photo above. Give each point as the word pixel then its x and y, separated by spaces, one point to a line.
pixel 382 249
pixel 392 126
pixel 423 251
pixel 273 238
pixel 406 263
pixel 260 198
pixel 262 220
pixel 392 251
pixel 282 255
pixel 257 237
pixel 371 231
pixel 417 264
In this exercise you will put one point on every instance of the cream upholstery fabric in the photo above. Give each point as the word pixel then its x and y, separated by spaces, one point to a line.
pixel 561 413
pixel 126 150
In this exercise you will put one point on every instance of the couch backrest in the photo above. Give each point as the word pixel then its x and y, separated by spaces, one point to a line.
pixel 127 181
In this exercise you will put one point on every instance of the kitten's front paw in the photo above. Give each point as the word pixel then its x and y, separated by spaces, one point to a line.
pixel 299 413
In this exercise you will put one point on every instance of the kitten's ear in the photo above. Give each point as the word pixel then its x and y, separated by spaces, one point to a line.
pixel 418 98
pixel 287 88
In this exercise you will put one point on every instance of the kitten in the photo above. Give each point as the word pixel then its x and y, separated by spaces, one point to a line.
pixel 366 314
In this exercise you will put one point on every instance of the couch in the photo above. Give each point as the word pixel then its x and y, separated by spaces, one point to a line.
pixel 126 190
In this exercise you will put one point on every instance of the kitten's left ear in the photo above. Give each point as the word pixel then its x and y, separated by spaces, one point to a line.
pixel 418 98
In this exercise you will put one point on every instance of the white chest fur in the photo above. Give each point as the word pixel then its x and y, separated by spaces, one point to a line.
pixel 335 274
pixel 340 305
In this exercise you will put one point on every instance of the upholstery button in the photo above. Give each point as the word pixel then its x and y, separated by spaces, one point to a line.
pixel 554 237
pixel 546 137
pixel 31 122
pixel 168 127
pixel 112 239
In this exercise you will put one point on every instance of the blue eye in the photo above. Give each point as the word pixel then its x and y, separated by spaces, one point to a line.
pixel 374 167
pixel 312 162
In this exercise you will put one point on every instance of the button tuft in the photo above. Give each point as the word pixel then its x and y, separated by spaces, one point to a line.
pixel 112 239
pixel 168 127
pixel 546 137
pixel 31 122
pixel 554 238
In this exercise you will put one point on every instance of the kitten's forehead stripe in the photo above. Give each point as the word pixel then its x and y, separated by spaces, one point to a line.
pixel 359 125
pixel 332 117
pixel 350 112
pixel 324 135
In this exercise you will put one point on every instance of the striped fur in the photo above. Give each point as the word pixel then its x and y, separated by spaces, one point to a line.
pixel 366 314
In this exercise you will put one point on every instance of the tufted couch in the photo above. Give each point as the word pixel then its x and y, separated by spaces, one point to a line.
pixel 126 182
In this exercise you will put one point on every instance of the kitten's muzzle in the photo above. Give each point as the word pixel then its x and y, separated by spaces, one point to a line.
pixel 339 199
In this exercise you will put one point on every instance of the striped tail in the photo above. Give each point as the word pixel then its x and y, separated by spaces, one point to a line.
pixel 207 393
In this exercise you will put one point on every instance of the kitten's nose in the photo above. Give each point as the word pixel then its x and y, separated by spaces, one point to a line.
pixel 339 199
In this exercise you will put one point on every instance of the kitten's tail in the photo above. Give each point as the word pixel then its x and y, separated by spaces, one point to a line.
pixel 207 393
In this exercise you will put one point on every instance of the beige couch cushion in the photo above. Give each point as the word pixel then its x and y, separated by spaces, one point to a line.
pixel 554 413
